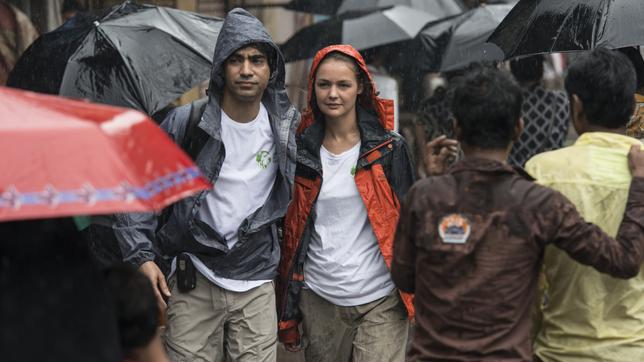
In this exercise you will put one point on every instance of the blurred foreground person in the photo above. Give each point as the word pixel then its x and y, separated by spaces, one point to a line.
pixel 589 316
pixel 138 314
pixel 339 228
pixel 54 304
pixel 545 112
pixel 470 242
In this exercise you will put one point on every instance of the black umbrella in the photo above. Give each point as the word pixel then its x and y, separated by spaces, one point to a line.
pixel 450 7
pixel 339 7
pixel 326 7
pixel 136 56
pixel 466 37
pixel 545 26
pixel 367 31
pixel 451 43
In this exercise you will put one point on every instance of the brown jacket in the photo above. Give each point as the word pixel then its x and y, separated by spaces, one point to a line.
pixel 470 243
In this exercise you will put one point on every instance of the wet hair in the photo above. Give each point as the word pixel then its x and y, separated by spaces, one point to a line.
pixel 528 69
pixel 487 106
pixel 136 306
pixel 364 98
pixel 605 82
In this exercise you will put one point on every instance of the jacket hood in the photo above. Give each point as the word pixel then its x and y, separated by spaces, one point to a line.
pixel 384 107
pixel 241 28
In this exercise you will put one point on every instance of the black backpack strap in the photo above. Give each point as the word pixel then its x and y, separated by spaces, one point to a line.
pixel 195 138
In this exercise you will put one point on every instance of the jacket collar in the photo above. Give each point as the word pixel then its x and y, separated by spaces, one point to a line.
pixel 371 134
pixel 487 166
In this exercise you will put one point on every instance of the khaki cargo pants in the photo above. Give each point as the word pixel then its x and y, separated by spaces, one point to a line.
pixel 212 324
pixel 372 332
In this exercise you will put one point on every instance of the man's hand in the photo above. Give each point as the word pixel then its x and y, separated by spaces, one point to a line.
pixel 439 154
pixel 159 285
pixel 636 161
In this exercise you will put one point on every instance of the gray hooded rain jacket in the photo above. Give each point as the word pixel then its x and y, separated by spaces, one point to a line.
pixel 256 255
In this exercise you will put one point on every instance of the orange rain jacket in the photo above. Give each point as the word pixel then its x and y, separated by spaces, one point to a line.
pixel 384 173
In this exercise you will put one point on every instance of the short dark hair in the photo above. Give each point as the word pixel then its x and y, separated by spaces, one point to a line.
pixel 136 306
pixel 528 69
pixel 605 82
pixel 486 104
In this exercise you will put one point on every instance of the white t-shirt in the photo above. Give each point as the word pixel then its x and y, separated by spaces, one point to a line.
pixel 344 264
pixel 245 181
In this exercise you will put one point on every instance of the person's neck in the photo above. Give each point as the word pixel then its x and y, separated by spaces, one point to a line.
pixel 240 111
pixel 496 154
pixel 594 128
pixel 340 129
pixel 530 84
pixel 340 134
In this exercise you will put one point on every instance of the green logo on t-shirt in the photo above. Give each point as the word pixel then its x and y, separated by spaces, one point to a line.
pixel 263 159
pixel 353 171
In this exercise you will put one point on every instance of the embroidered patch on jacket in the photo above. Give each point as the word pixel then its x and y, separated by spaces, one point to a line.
pixel 454 229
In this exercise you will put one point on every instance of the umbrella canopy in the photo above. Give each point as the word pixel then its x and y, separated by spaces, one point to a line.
pixel 446 7
pixel 467 35
pixel 339 7
pixel 546 26
pixel 451 43
pixel 64 157
pixel 367 31
pixel 327 7
pixel 136 56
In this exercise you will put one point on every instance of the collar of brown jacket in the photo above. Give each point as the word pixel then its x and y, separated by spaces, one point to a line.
pixel 487 165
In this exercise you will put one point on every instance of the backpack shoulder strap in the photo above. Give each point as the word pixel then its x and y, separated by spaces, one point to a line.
pixel 195 138
pixel 193 141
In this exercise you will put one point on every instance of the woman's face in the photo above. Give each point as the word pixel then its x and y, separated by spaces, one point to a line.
pixel 336 88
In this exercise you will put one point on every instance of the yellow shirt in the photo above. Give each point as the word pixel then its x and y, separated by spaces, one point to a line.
pixel 589 316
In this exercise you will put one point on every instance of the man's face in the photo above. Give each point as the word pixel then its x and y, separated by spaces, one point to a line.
pixel 246 74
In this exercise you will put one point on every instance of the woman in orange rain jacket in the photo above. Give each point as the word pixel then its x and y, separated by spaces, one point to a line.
pixel 352 170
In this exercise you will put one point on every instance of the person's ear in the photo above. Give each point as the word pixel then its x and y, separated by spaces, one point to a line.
pixel 518 130
pixel 577 114
pixel 360 87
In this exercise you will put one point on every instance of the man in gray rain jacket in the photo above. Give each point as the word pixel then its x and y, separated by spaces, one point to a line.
pixel 229 234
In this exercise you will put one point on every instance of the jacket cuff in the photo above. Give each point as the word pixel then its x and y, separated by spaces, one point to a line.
pixel 289 332
pixel 141 257
pixel 637 186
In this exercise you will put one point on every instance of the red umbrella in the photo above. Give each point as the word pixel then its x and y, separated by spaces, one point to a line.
pixel 62 157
